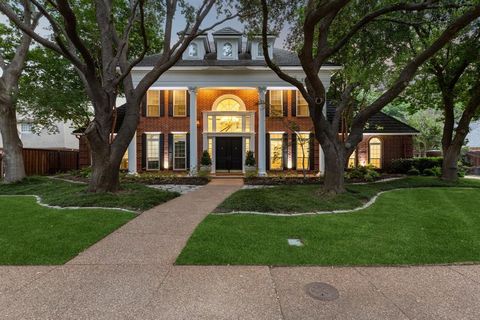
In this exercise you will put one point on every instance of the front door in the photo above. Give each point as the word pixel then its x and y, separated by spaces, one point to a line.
pixel 228 153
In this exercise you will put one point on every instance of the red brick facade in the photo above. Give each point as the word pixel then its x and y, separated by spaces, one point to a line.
pixel 393 146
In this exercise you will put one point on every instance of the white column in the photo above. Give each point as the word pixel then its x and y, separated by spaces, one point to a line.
pixel 261 155
pixel 193 130
pixel 321 158
pixel 132 155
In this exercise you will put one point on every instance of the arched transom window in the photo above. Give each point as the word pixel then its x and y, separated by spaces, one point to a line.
pixel 228 102
pixel 375 152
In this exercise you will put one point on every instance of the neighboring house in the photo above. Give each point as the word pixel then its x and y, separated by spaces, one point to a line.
pixel 214 99
pixel 62 139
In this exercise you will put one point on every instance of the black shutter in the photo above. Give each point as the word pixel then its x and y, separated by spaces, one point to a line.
pixel 170 151
pixel 188 150
pixel 285 151
pixel 285 103
pixel 161 151
pixel 143 105
pixel 144 151
pixel 293 97
pixel 267 103
pixel 294 151
pixel 162 103
pixel 311 151
pixel 267 151
pixel 188 103
pixel 170 103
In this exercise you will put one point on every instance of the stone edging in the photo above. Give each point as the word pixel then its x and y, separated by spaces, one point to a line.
pixel 39 201
pixel 365 206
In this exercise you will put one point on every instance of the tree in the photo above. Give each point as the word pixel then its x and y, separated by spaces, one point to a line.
pixel 449 82
pixel 14 48
pixel 96 38
pixel 317 43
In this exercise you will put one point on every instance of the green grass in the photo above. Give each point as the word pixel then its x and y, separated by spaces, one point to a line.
pixel 133 196
pixel 34 235
pixel 307 198
pixel 411 226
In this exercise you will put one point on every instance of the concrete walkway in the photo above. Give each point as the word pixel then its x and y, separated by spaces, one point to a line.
pixel 130 275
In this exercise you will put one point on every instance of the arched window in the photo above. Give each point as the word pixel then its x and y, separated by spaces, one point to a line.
pixel 193 50
pixel 375 152
pixel 228 102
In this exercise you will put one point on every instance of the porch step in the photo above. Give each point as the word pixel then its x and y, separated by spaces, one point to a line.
pixel 227 176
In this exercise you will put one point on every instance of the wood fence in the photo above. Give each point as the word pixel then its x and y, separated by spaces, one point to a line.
pixel 47 161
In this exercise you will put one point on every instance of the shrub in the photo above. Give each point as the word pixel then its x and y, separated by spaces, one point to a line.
pixel 206 160
pixel 250 159
pixel 428 172
pixel 413 172
pixel 404 165
pixel 364 173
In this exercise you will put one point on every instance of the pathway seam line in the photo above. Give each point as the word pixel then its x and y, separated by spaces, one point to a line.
pixel 277 295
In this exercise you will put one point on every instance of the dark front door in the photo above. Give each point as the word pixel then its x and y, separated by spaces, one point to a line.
pixel 228 153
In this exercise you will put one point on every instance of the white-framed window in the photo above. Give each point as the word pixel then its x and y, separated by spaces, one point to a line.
pixel 227 50
pixel 153 103
pixel 179 103
pixel 179 151
pixel 276 151
pixel 26 127
pixel 153 151
pixel 276 103
pixel 193 50
pixel 303 151
pixel 302 106
pixel 375 152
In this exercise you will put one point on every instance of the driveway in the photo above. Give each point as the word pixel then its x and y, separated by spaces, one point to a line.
pixel 130 275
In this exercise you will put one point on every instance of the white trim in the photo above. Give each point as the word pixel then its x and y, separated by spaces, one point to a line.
pixel 228 96
pixel 152 132
pixel 276 132
pixel 391 134
pixel 178 132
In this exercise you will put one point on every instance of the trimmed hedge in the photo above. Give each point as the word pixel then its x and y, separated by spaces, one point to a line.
pixel 404 165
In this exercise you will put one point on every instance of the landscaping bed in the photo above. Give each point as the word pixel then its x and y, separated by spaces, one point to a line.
pixel 432 225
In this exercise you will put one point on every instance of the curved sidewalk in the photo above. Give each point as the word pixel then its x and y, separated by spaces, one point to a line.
pixel 130 275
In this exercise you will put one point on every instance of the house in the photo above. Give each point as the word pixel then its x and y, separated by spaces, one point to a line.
pixel 221 97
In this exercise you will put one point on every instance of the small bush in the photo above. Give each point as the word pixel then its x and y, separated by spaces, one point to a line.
pixel 364 173
pixel 404 165
pixel 206 159
pixel 428 172
pixel 413 172
pixel 250 159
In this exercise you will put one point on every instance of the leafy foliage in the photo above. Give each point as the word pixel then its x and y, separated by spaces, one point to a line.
pixel 206 160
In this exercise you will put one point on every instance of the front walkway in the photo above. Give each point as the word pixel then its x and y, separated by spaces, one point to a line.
pixel 130 275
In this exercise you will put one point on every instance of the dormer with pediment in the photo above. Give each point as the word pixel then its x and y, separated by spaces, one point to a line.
pixel 255 47
pixel 197 49
pixel 228 43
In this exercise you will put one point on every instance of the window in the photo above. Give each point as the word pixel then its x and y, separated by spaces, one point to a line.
pixel 375 152
pixel 153 103
pixel 193 50
pixel 179 103
pixel 276 103
pixel 302 106
pixel 26 127
pixel 352 160
pixel 228 123
pixel 247 145
pixel 153 151
pixel 179 152
pixel 228 104
pixel 260 49
pixel 124 163
pixel 303 151
pixel 227 50
pixel 210 147
pixel 276 151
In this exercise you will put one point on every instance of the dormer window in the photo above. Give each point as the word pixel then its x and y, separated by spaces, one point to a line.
pixel 227 50
pixel 193 50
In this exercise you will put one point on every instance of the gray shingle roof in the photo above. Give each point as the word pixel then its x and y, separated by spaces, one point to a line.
pixel 227 31
pixel 379 123
pixel 280 56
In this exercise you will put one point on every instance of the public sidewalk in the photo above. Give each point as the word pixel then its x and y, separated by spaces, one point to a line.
pixel 130 275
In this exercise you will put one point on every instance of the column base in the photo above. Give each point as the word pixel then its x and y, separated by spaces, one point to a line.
pixel 262 174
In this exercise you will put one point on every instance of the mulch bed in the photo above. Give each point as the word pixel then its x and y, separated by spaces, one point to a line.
pixel 288 180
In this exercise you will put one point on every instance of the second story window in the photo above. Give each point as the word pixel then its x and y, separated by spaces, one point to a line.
pixel 179 103
pixel 26 127
pixel 276 103
pixel 302 106
pixel 193 50
pixel 153 103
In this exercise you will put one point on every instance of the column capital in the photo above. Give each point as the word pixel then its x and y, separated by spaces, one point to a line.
pixel 262 90
pixel 192 90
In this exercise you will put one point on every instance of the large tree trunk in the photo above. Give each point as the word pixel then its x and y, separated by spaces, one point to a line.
pixel 12 145
pixel 334 181
pixel 450 163
pixel 105 169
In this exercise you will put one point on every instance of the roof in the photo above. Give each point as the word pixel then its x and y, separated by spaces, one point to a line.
pixel 282 57
pixel 227 31
pixel 379 123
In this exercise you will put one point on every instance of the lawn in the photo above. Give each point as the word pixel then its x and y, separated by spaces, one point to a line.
pixel 410 226
pixel 307 198
pixel 133 196
pixel 34 235
pixel 31 234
